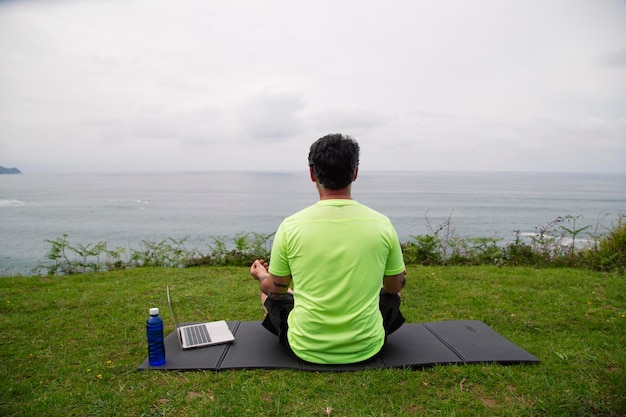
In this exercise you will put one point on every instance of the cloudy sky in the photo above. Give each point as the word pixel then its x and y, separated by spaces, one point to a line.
pixel 153 85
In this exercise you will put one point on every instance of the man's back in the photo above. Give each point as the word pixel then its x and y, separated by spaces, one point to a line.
pixel 337 252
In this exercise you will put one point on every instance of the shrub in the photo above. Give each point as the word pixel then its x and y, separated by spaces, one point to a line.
pixel 68 259
pixel 552 245
pixel 610 253
pixel 519 253
pixel 424 249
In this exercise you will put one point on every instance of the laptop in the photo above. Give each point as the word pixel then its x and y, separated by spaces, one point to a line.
pixel 201 334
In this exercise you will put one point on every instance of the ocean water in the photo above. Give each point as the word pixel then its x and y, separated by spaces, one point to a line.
pixel 125 209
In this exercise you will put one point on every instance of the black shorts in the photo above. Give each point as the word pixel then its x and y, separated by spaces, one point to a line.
pixel 278 311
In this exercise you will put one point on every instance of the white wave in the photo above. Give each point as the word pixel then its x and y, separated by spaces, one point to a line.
pixel 560 240
pixel 11 203
pixel 140 204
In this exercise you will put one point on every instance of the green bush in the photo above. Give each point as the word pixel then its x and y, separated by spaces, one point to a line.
pixel 424 250
pixel 69 259
pixel 552 245
pixel 610 253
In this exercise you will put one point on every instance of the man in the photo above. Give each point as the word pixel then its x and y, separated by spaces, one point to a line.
pixel 337 254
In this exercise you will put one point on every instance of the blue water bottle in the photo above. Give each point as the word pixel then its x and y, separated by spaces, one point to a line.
pixel 154 329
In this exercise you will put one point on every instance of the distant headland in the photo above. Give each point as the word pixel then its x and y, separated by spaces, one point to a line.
pixel 4 170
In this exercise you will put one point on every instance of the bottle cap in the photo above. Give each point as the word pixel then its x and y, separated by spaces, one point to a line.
pixel 154 311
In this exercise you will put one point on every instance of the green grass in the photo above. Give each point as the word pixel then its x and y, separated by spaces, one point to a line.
pixel 71 346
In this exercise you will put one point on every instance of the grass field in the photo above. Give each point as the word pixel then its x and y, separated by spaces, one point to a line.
pixel 71 346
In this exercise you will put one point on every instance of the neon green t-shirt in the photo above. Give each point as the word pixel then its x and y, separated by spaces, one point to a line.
pixel 337 252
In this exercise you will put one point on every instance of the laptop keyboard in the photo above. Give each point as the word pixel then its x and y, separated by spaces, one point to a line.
pixel 197 335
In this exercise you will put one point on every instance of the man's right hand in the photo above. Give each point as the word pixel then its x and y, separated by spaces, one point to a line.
pixel 258 270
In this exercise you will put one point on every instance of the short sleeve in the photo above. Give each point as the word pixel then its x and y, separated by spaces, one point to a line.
pixel 395 261
pixel 279 260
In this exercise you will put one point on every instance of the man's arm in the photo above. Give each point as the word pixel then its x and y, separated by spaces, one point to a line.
pixel 271 285
pixel 394 283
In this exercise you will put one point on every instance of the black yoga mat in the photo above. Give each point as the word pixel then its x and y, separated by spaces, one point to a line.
pixel 415 345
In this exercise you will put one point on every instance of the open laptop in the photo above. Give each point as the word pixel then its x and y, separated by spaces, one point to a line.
pixel 201 334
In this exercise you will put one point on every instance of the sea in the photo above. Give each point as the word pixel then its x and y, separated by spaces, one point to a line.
pixel 127 209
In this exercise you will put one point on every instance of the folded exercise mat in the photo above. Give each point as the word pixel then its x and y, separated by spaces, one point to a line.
pixel 414 345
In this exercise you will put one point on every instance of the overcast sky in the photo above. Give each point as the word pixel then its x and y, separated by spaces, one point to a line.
pixel 154 85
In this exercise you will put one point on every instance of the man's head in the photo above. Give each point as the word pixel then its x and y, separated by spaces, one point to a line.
pixel 334 160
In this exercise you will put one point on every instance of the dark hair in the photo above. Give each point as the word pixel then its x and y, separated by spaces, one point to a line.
pixel 334 159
